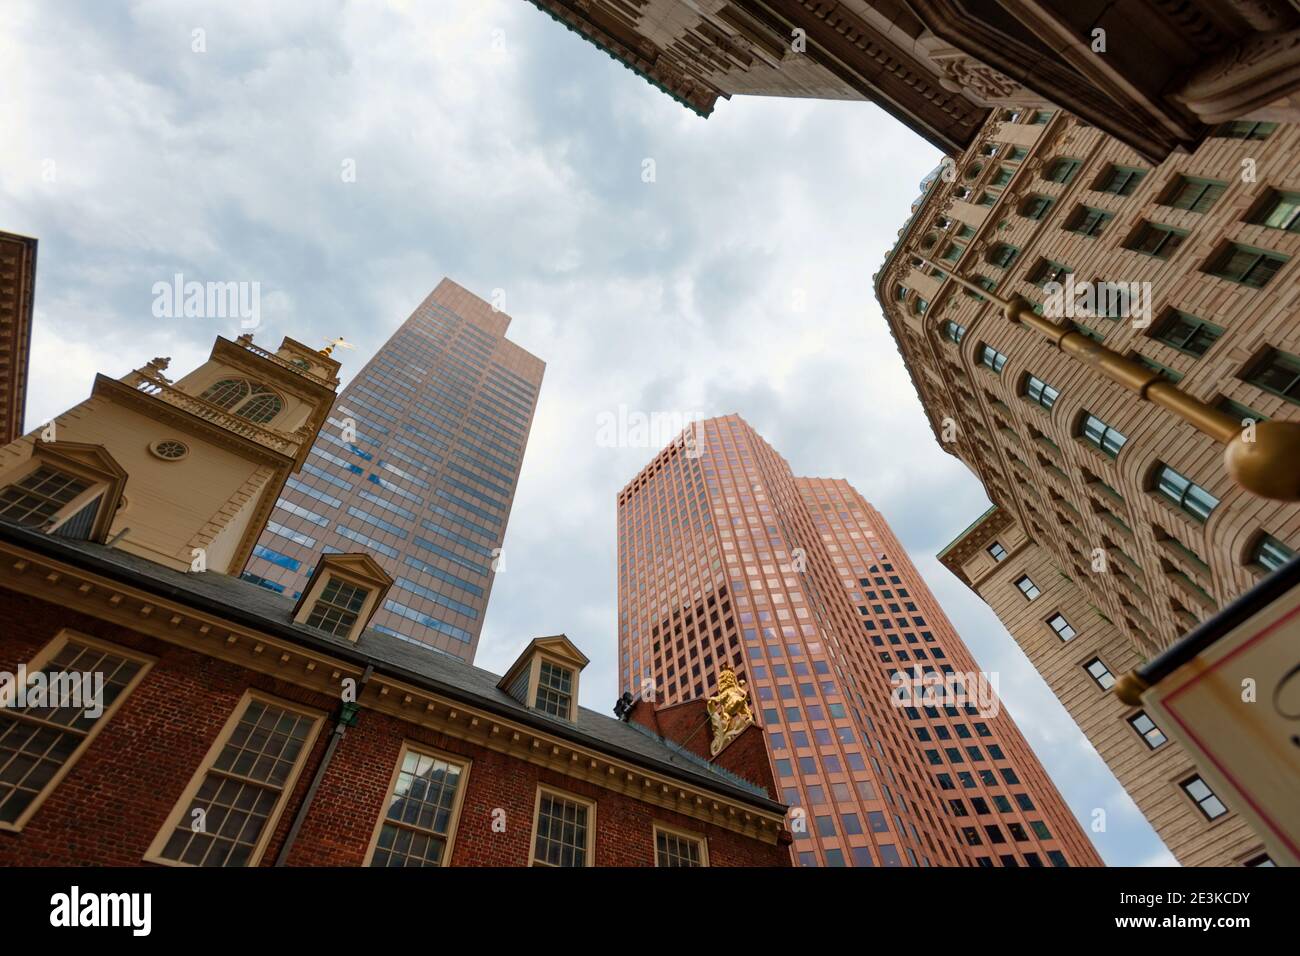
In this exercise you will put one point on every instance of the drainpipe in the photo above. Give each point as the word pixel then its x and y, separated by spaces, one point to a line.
pixel 340 727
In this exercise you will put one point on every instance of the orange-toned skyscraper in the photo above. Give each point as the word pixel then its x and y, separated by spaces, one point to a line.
pixel 726 558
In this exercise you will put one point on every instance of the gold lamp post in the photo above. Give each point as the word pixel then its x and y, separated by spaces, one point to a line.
pixel 1265 459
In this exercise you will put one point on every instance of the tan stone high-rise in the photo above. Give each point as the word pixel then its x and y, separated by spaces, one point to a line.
pixel 798 584
pixel 417 465
pixel 1115 526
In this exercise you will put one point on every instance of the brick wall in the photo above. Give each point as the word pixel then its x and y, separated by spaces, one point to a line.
pixel 687 724
pixel 115 799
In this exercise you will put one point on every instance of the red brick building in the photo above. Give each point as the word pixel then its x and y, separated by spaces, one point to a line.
pixel 190 717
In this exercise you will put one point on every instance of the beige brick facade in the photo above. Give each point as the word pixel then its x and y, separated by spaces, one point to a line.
pixel 1129 567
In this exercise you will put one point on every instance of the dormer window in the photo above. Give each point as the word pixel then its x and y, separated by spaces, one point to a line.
pixel 68 489
pixel 35 499
pixel 544 678
pixel 554 690
pixel 341 595
pixel 250 400
pixel 335 611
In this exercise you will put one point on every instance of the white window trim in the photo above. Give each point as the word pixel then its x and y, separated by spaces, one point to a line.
pixel 410 746
pixel 535 683
pixel 537 812
pixel 678 832
pixel 154 853
pixel 43 657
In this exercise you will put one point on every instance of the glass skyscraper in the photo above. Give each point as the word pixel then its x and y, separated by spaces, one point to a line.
pixel 726 558
pixel 417 466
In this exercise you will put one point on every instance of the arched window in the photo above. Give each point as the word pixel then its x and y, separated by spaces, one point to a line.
pixel 227 393
pixel 263 406
pixel 250 400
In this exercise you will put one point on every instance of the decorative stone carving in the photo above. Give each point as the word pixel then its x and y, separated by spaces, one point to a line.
pixel 963 73
pixel 729 712
pixel 1265 15
pixel 1244 81
pixel 673 75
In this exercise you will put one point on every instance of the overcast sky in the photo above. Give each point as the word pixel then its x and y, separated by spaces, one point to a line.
pixel 493 146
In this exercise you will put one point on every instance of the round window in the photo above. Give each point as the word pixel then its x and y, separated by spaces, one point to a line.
pixel 169 449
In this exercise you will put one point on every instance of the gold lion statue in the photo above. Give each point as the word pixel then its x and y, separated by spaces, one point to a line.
pixel 729 712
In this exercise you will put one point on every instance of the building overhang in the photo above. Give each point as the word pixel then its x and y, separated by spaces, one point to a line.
pixel 974 539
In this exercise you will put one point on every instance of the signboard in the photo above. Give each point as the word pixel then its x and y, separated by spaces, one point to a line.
pixel 1235 707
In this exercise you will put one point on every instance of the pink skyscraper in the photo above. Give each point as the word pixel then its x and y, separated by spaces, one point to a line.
pixel 726 558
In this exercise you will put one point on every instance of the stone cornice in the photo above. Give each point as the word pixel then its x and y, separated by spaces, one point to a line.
pixel 160 410
pixel 651 63
pixel 973 540
pixel 885 72
pixel 17 296
pixel 266 366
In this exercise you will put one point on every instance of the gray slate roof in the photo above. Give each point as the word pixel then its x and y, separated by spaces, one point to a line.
pixel 249 604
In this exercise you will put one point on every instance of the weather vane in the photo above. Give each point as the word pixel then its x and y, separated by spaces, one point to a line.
pixel 337 343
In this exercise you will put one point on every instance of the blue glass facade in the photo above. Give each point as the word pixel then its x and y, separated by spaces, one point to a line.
pixel 417 466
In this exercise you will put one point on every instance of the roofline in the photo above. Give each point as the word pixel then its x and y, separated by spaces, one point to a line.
pixel 50 546
pixel 969 528
pixel 20 370
pixel 904 235
pixel 603 47
pixel 878 281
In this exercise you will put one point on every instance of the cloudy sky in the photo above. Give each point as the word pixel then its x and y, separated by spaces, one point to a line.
pixel 493 146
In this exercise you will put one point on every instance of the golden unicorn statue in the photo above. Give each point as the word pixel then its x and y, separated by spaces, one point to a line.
pixel 729 711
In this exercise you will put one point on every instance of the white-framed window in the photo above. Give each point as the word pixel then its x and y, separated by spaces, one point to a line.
pixel 418 824
pixel 42 737
pixel 251 400
pixel 554 690
pixel 227 813
pixel 564 829
pixel 35 499
pixel 336 609
pixel 674 847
